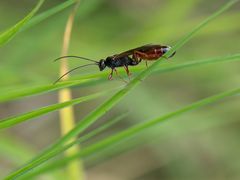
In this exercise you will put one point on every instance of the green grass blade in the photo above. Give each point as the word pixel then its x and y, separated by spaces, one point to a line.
pixel 143 126
pixel 8 122
pixel 41 17
pixel 204 23
pixel 10 33
pixel 101 110
pixel 100 129
pixel 82 139
pixel 8 146
pixel 167 68
pixel 196 63
pixel 150 123
pixel 30 91
pixel 84 9
pixel 139 128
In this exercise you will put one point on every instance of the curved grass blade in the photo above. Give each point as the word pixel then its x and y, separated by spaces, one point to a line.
pixel 167 68
pixel 30 91
pixel 106 106
pixel 200 26
pixel 80 140
pixel 8 122
pixel 132 131
pixel 150 123
pixel 39 18
pixel 10 33
pixel 84 10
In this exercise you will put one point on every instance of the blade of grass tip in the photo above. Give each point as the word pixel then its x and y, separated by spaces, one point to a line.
pixel 29 90
pixel 79 140
pixel 200 26
pixel 98 112
pixel 75 169
pixel 41 17
pixel 132 131
pixel 167 68
pixel 8 122
pixel 10 33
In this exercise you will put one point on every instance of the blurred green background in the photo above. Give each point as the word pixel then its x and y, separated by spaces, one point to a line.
pixel 203 144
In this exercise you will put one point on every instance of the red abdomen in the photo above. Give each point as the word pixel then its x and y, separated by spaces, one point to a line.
pixel 150 54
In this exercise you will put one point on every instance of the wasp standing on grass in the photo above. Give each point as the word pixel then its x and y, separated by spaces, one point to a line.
pixel 128 58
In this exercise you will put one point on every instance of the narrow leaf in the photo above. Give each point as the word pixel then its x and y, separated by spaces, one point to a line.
pixel 150 123
pixel 30 91
pixel 82 139
pixel 44 15
pixel 8 122
pixel 167 68
pixel 132 131
pixel 10 33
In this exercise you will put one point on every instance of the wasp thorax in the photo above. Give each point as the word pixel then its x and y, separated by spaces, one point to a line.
pixel 101 65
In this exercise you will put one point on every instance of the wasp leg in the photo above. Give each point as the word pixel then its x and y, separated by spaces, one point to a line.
pixel 110 75
pixel 127 71
pixel 119 75
pixel 146 64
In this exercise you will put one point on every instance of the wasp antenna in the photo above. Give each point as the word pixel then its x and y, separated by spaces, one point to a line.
pixel 72 71
pixel 79 57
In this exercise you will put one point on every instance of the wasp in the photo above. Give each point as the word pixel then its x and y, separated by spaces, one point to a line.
pixel 131 57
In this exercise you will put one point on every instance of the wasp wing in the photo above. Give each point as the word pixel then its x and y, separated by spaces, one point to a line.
pixel 131 51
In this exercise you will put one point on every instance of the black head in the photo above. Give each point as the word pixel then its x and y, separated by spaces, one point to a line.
pixel 166 49
pixel 101 65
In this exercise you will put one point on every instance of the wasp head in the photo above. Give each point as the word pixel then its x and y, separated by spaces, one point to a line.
pixel 166 49
pixel 101 65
